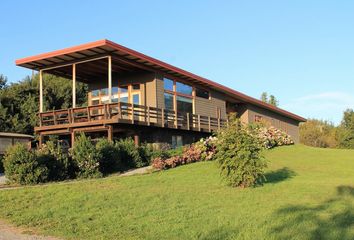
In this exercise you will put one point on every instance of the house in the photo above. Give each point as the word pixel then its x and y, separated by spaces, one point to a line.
pixel 9 139
pixel 131 94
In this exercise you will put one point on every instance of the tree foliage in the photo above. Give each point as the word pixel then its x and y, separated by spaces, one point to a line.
pixel 346 130
pixel 271 100
pixel 239 154
pixel 19 102
pixel 318 133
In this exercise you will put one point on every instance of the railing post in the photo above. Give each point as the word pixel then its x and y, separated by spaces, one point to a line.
pixel 119 111
pixel 163 117
pixel 40 119
pixel 132 113
pixel 88 114
pixel 176 120
pixel 218 123
pixel 209 123
pixel 199 123
pixel 105 111
pixel 148 116
pixel 188 123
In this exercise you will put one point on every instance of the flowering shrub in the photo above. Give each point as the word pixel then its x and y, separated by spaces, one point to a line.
pixel 207 147
pixel 272 137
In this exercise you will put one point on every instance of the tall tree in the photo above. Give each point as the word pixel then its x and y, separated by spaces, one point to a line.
pixel 264 97
pixel 3 81
pixel 273 101
pixel 346 129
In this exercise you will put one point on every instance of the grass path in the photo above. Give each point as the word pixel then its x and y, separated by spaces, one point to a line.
pixel 309 195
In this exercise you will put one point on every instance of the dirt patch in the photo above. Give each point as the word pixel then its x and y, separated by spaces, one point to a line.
pixel 10 232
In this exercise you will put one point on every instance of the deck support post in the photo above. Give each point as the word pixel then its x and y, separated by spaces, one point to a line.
pixel 136 140
pixel 40 142
pixel 40 91
pixel 72 138
pixel 110 133
pixel 74 85
pixel 110 79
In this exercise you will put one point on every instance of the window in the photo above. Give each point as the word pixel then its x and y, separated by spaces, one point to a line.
pixel 95 102
pixel 177 141
pixel 136 99
pixel 258 118
pixel 168 84
pixel 168 101
pixel 184 88
pixel 184 104
pixel 95 93
pixel 114 90
pixel 104 91
pixel 202 93
pixel 123 89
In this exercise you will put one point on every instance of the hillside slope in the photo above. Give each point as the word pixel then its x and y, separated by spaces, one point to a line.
pixel 309 195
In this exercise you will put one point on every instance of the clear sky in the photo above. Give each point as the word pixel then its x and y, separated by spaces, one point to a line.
pixel 300 51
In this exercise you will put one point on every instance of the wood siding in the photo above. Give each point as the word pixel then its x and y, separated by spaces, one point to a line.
pixel 209 107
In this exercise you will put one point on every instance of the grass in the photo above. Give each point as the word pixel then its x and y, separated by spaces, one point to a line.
pixel 309 195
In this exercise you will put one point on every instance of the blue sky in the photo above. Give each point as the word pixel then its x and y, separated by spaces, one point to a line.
pixel 300 51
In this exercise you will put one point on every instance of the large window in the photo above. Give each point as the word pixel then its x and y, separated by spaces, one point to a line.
pixel 125 94
pixel 169 101
pixel 184 88
pixel 202 93
pixel 178 96
pixel 184 104
pixel 168 84
pixel 177 141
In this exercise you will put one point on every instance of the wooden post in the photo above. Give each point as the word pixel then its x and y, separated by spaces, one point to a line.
pixel 209 124
pixel 54 118
pixel 148 116
pixel 176 120
pixel 74 85
pixel 110 133
pixel 132 113
pixel 69 116
pixel 40 91
pixel 72 138
pixel 40 119
pixel 219 124
pixel 40 142
pixel 163 117
pixel 109 79
pixel 188 123
pixel 119 111
pixel 136 140
pixel 88 114
pixel 199 123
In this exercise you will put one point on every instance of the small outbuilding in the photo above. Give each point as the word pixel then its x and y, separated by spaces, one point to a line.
pixel 9 139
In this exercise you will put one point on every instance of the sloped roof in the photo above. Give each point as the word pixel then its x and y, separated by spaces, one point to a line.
pixel 124 54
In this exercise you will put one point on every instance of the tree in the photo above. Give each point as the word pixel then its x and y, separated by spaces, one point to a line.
pixel 3 81
pixel 264 97
pixel 346 130
pixel 272 99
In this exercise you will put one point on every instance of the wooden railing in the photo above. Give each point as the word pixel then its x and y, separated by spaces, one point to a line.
pixel 131 113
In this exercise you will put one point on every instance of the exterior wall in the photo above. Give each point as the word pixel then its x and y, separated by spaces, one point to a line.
pixel 6 142
pixel 160 92
pixel 209 107
pixel 286 124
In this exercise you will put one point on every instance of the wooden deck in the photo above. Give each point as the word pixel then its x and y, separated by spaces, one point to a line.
pixel 107 114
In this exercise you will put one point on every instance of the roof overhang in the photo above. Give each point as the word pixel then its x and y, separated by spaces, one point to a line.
pixel 128 57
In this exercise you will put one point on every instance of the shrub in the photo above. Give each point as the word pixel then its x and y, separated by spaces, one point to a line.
pixel 239 155
pixel 86 157
pixel 110 156
pixel 317 133
pixel 207 147
pixel 22 166
pixel 57 162
pixel 133 156
pixel 272 137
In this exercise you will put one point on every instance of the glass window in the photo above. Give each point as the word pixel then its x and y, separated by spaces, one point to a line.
pixel 114 100
pixel 202 93
pixel 124 99
pixel 136 86
pixel 184 104
pixel 114 90
pixel 95 93
pixel 136 99
pixel 168 84
pixel 177 141
pixel 104 91
pixel 168 101
pixel 184 88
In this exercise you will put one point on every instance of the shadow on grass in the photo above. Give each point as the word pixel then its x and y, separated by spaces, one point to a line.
pixel 279 175
pixel 332 219
pixel 220 233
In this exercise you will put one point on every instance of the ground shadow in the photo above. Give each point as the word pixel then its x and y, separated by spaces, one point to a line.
pixel 279 175
pixel 332 219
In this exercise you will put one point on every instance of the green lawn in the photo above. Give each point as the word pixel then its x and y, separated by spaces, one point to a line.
pixel 309 195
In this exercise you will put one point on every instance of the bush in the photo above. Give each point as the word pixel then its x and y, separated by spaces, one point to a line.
pixel 272 137
pixel 317 133
pixel 24 167
pixel 110 161
pixel 58 163
pixel 131 155
pixel 86 157
pixel 239 155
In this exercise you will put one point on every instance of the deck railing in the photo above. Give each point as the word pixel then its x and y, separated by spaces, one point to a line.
pixel 133 114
